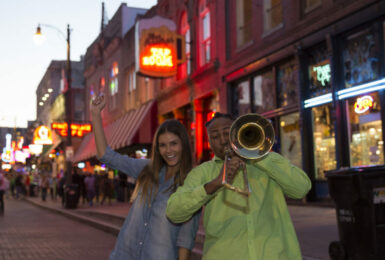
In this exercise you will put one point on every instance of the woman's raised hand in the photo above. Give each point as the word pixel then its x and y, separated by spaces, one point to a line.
pixel 97 104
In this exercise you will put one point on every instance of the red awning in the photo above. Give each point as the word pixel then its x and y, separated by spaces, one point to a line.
pixel 118 134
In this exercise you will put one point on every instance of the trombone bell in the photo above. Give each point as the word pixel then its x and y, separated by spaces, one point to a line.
pixel 251 137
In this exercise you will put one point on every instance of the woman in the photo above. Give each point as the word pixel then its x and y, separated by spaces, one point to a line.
pixel 147 233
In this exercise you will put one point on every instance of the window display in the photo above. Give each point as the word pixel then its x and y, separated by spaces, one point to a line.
pixel 365 130
pixel 288 84
pixel 290 138
pixel 324 141
pixel 360 56
pixel 264 92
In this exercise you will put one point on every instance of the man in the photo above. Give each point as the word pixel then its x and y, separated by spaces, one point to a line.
pixel 252 227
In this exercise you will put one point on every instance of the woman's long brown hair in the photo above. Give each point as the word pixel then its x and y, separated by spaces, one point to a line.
pixel 148 179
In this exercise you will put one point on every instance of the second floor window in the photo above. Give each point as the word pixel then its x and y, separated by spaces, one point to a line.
pixel 114 84
pixel 272 16
pixel 244 15
pixel 205 33
pixel 185 68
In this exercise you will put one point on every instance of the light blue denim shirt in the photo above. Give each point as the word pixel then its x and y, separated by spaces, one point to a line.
pixel 147 233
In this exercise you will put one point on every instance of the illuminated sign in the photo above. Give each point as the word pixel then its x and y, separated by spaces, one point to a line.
pixel 6 156
pixel 159 49
pixel 363 104
pixel 78 130
pixel 323 74
pixel 159 57
pixel 42 135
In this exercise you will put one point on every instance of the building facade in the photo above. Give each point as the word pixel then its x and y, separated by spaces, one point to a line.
pixel 314 68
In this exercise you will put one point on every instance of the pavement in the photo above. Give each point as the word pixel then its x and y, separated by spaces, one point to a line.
pixel 315 224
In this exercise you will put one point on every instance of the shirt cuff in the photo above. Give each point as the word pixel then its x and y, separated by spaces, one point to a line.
pixel 107 156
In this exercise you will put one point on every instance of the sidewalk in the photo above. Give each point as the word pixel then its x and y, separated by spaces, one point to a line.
pixel 316 225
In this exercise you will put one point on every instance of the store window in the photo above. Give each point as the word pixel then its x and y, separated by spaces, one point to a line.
pixel 324 140
pixel 360 55
pixel 288 84
pixel 290 138
pixel 365 130
pixel 205 33
pixel 264 92
pixel 242 96
pixel 244 16
pixel 272 15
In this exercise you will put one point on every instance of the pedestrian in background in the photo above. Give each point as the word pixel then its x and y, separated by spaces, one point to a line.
pixel 106 188
pixel 44 186
pixel 147 234
pixel 4 185
pixel 19 185
pixel 89 183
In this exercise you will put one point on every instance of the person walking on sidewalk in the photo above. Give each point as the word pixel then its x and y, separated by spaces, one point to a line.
pixel 147 234
pixel 44 186
pixel 4 184
pixel 89 182
pixel 256 226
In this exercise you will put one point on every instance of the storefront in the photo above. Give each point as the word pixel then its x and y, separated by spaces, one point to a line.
pixel 325 102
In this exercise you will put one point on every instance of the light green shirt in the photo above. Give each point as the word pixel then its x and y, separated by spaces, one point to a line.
pixel 237 227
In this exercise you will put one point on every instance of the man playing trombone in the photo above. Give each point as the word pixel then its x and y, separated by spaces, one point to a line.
pixel 243 218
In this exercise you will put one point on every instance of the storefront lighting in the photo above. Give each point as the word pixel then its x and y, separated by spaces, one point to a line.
pixel 361 89
pixel 318 100
pixel 41 103
pixel 50 90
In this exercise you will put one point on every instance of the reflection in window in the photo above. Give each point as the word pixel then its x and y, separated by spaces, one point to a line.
pixel 244 15
pixel 290 138
pixel 264 94
pixel 360 59
pixel 365 130
pixel 311 4
pixel 324 140
pixel 288 84
pixel 242 94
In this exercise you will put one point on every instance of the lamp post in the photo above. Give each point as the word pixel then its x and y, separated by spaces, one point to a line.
pixel 68 97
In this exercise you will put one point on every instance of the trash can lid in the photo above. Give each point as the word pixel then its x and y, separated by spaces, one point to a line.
pixel 356 170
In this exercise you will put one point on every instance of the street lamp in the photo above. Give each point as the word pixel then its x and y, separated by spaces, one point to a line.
pixel 38 37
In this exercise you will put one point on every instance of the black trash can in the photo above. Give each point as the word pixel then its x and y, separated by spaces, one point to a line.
pixel 71 196
pixel 359 195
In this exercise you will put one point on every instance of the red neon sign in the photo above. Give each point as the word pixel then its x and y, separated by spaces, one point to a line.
pixel 158 58
pixel 363 104
pixel 78 130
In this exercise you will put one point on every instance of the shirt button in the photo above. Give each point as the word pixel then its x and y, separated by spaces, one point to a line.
pixel 140 243
pixel 145 224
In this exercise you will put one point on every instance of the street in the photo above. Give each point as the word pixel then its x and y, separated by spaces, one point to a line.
pixel 316 227
pixel 30 232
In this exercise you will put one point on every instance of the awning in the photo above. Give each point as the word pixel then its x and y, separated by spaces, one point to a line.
pixel 56 140
pixel 119 134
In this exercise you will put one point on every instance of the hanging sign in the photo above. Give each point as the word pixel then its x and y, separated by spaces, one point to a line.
pixel 363 104
pixel 159 49
pixel 42 135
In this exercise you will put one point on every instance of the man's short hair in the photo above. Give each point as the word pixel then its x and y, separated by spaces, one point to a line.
pixel 218 115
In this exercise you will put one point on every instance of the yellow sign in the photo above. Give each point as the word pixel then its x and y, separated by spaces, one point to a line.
pixel 42 135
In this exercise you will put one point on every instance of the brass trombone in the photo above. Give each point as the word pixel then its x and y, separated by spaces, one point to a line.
pixel 251 137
